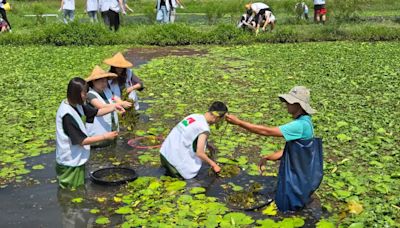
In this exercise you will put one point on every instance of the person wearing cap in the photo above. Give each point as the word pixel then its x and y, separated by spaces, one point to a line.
pixel 100 96
pixel 126 80
pixel 72 140
pixel 183 151
pixel 295 132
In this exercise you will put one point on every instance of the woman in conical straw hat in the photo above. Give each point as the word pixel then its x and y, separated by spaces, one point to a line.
pixel 72 140
pixel 126 80
pixel 300 171
pixel 100 96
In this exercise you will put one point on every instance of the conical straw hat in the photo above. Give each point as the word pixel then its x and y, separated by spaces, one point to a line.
pixel 118 60
pixel 98 73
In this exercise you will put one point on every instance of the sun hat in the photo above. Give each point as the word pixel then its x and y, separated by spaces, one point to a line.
pixel 118 60
pixel 301 95
pixel 98 73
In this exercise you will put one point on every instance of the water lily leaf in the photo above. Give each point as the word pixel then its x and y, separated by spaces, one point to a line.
pixel 117 199
pixel 101 199
pixel 77 200
pixel 102 220
pixel 271 209
pixel 236 219
pixel 343 137
pixel 197 190
pixel 267 223
pixel 325 224
pixel 124 210
pixel 382 188
pixel 38 167
pixel 235 187
pixel 94 211
pixel 225 161
pixel 175 186
pixel 357 225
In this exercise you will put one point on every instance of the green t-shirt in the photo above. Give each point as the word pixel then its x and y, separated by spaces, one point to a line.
pixel 300 128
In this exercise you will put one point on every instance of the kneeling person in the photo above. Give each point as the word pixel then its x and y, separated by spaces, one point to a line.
pixel 183 150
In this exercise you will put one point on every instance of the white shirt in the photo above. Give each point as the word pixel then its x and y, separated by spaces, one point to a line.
pixel 69 5
pixel 178 146
pixel 92 5
pixel 256 7
pixel 319 2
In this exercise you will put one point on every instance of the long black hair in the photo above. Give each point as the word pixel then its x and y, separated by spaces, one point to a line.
pixel 74 90
pixel 121 79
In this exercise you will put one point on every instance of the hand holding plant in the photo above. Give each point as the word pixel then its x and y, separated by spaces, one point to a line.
pixel 110 135
pixel 232 119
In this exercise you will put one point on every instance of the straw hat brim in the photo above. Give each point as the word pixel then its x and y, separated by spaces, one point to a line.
pixel 101 75
pixel 118 63
pixel 292 100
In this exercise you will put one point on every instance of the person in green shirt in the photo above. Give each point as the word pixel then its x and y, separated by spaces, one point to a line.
pixel 304 161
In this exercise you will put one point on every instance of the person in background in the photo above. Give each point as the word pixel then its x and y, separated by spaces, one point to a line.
pixel 68 8
pixel 174 5
pixel 126 80
pixel 163 8
pixel 72 140
pixel 104 6
pixel 319 11
pixel 301 10
pixel 244 19
pixel 268 18
pixel 110 12
pixel 3 12
pixel 100 96
pixel 183 151
pixel 300 171
pixel 4 27
pixel 92 6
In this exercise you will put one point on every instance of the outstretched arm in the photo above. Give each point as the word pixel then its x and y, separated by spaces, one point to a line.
pixel 258 129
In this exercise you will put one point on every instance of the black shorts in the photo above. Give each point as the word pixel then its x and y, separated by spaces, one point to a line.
pixel 319 7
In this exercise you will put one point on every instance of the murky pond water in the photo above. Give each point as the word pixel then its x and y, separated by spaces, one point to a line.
pixel 38 202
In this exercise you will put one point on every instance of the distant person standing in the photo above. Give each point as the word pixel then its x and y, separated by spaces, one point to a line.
pixel 301 9
pixel 110 12
pixel 319 11
pixel 68 8
pixel 174 5
pixel 4 13
pixel 4 27
pixel 163 11
pixel 92 6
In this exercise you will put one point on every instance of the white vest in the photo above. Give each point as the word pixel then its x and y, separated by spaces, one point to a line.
pixel 66 153
pixel 102 124
pixel 178 146
pixel 128 83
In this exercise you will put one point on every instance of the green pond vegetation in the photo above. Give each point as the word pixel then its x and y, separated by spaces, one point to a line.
pixel 354 88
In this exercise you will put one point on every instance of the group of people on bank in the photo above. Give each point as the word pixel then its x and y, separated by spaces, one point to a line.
pixel 183 151
pixel 259 15
pixel 110 11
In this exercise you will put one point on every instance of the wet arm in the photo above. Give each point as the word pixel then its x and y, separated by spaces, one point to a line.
pixel 201 143
pixel 260 129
